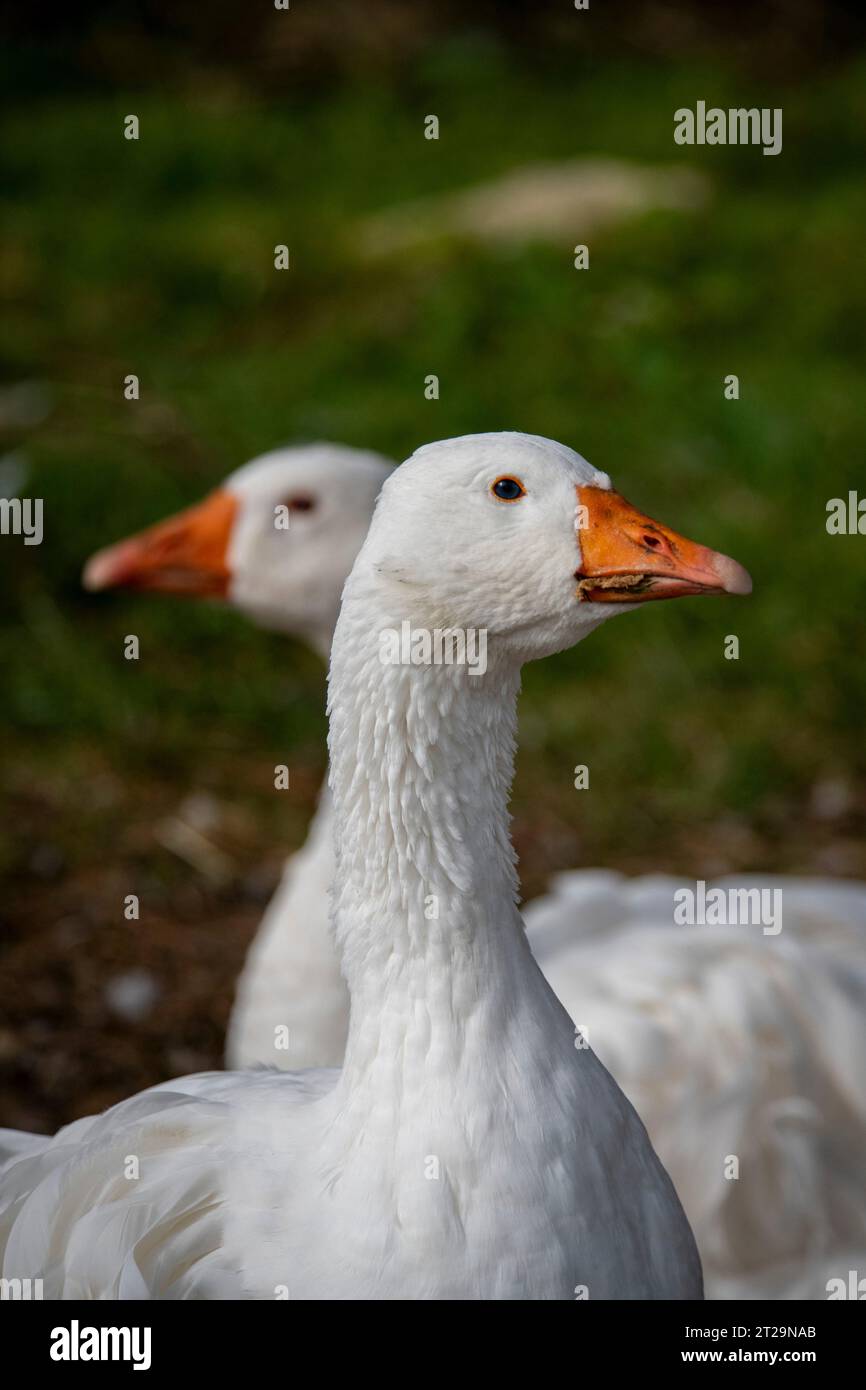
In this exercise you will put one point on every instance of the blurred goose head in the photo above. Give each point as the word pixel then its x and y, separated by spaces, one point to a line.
pixel 275 540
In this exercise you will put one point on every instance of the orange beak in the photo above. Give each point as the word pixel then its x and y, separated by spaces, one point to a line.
pixel 629 558
pixel 187 554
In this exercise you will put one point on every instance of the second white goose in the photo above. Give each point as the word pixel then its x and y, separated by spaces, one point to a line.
pixel 276 541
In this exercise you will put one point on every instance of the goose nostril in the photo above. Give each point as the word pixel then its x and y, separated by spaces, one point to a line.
pixel 652 542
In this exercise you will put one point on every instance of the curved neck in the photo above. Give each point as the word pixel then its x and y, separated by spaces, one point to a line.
pixel 424 905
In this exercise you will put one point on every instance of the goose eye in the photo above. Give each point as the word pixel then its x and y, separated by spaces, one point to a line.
pixel 508 489
pixel 301 503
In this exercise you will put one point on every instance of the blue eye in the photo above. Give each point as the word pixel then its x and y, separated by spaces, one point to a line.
pixel 508 489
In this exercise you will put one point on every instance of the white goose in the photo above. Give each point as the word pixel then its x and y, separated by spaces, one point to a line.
pixel 728 1042
pixel 743 1054
pixel 467 1149
pixel 230 546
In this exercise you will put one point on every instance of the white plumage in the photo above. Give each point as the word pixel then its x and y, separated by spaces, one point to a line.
pixel 467 1149
pixel 291 987
pixel 290 991
pixel 729 1043
pixel 740 1051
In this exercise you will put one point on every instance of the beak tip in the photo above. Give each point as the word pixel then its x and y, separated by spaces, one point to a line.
pixel 96 574
pixel 111 568
pixel 734 579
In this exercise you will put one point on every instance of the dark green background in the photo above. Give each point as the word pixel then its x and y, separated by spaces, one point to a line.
pixel 156 257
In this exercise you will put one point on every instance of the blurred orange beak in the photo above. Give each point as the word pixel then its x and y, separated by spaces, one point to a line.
pixel 187 554
pixel 629 558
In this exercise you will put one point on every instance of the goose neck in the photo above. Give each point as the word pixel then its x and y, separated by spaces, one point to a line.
pixel 424 907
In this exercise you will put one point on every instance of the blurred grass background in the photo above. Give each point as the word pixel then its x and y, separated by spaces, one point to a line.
pixel 156 257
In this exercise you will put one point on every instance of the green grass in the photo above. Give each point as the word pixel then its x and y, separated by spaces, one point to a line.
pixel 155 257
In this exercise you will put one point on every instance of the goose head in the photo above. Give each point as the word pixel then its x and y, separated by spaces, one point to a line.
pixel 520 537
pixel 275 540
